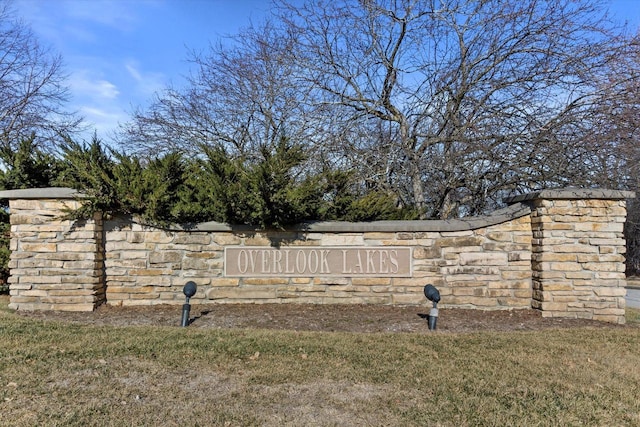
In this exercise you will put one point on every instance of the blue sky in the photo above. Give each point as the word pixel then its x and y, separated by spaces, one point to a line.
pixel 118 53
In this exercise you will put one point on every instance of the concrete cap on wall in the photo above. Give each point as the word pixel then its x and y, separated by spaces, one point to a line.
pixel 469 223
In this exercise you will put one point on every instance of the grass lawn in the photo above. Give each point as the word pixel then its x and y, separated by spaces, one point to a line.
pixel 76 375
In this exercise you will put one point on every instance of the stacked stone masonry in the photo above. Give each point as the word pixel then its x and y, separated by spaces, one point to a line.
pixel 559 251
pixel 55 264
pixel 578 258
pixel 483 268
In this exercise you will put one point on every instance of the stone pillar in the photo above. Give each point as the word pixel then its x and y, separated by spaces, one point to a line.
pixel 55 264
pixel 578 247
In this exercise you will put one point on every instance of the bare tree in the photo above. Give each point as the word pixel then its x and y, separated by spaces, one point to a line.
pixel 614 131
pixel 450 105
pixel 241 96
pixel 480 97
pixel 32 86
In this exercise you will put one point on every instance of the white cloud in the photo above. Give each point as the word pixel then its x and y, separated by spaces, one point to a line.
pixel 133 72
pixel 114 14
pixel 97 100
pixel 145 84
pixel 82 85
pixel 103 120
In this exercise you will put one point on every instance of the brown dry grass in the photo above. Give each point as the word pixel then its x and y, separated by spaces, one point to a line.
pixel 61 373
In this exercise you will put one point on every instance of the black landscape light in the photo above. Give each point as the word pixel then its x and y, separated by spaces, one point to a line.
pixel 432 295
pixel 189 291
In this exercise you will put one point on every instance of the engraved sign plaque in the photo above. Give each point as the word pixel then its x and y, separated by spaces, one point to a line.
pixel 310 261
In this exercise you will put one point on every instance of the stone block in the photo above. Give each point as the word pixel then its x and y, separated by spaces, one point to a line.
pixel 226 239
pixel 116 298
pixel 160 257
pixel 609 226
pixel 565 299
pixel 88 265
pixel 377 236
pixel 150 272
pixel 37 280
pixel 133 254
pixel 137 263
pixel 471 301
pixel 523 294
pixel 33 293
pixel 195 264
pixel 68 300
pixel 514 302
pixel 422 252
pixel 519 256
pixel 470 270
pixel 548 226
pixel 555 257
pixel 159 237
pixel 607 275
pixel 144 296
pixel 35 263
pixel 515 274
pixel 240 293
pixel 554 306
pixel 192 239
pixel 266 281
pixel 138 302
pixel 21 286
pixel 332 281
pixel 613 311
pixel 62 286
pixel 72 307
pixel 71 292
pixel 39 247
pixel 580 275
pixel 258 240
pixel 224 282
pixel 462 241
pixel 483 258
pixel 301 288
pixel 609 267
pixel 612 250
pixel 610 318
pixel 553 286
pixel 162 281
pixel 371 281
pixel 457 291
pixel 410 282
pixel 346 239
pixel 610 291
pixel 561 266
pixel 205 254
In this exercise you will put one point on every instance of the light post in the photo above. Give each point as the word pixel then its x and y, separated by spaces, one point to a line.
pixel 432 295
pixel 189 290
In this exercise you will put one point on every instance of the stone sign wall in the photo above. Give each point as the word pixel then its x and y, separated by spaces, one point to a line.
pixel 559 251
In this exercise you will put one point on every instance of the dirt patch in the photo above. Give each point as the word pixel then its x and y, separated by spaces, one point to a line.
pixel 307 317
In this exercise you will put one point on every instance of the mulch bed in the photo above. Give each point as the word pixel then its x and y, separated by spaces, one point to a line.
pixel 307 317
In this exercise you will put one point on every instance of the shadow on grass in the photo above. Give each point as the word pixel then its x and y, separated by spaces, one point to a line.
pixel 202 314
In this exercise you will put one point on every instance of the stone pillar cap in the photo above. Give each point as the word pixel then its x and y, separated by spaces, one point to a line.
pixel 572 194
pixel 41 193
